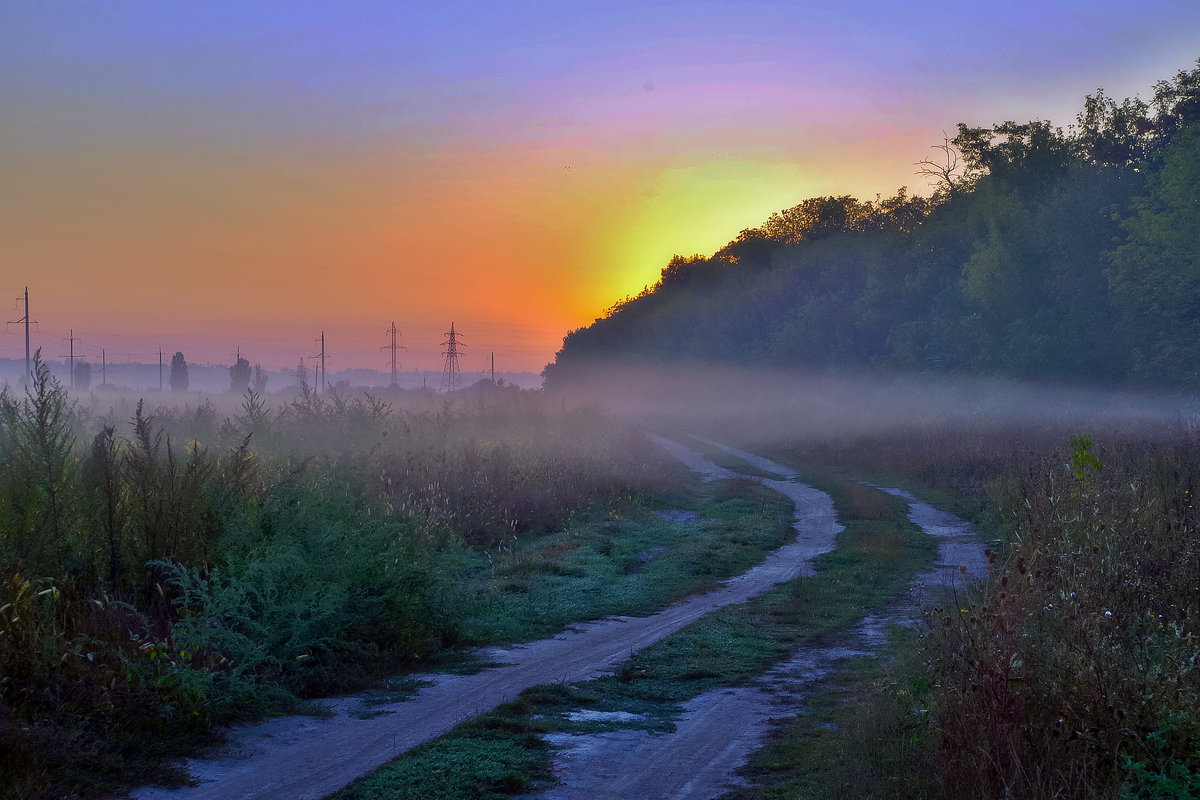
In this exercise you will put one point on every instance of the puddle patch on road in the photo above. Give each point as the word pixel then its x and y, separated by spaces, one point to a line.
pixel 679 516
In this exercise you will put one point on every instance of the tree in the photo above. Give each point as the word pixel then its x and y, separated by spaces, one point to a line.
pixel 239 376
pixel 260 379
pixel 179 373
pixel 1007 150
pixel 1155 274
pixel 1111 134
pixel 817 218
pixel 83 376
pixel 945 172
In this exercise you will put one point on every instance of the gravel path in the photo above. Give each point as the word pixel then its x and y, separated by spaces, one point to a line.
pixel 306 757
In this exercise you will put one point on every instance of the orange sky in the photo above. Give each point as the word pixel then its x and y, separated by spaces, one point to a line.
pixel 219 178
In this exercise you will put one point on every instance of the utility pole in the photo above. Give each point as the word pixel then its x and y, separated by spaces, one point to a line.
pixel 103 368
pixel 71 358
pixel 25 321
pixel 394 347
pixel 493 367
pixel 28 374
pixel 160 369
pixel 321 355
pixel 451 378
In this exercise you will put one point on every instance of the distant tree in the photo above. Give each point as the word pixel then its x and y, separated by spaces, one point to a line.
pixel 83 376
pixel 818 217
pixel 302 377
pixel 1009 149
pixel 1176 103
pixel 260 379
pixel 239 376
pixel 1111 134
pixel 179 373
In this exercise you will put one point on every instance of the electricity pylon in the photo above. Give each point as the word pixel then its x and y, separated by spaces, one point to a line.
pixel 394 347
pixel 451 378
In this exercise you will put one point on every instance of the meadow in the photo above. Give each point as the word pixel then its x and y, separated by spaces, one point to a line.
pixel 167 569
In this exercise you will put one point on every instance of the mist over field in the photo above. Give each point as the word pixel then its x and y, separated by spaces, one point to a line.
pixel 763 405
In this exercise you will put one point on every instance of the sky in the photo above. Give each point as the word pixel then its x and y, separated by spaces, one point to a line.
pixel 227 177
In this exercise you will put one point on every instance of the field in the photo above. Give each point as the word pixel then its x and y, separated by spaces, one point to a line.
pixel 166 570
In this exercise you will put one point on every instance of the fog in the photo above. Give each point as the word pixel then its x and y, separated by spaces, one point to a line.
pixel 768 405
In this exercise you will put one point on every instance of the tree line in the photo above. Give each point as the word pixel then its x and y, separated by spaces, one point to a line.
pixel 241 376
pixel 1044 252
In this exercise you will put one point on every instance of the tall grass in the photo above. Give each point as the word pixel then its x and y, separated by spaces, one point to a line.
pixel 165 569
pixel 1074 671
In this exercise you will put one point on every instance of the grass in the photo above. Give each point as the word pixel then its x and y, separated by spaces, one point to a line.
pixel 877 553
pixel 1072 673
pixel 624 561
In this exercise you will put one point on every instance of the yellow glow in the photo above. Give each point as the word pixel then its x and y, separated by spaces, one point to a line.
pixel 693 209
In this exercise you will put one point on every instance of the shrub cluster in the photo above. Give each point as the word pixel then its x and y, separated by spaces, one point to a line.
pixel 1076 671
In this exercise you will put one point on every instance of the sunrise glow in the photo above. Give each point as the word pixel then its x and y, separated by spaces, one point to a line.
pixel 219 178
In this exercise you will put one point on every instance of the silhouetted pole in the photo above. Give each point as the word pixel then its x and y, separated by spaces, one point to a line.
pixel 493 367
pixel 103 368
pixel 25 320
pixel 321 355
pixel 71 356
pixel 160 370
pixel 28 374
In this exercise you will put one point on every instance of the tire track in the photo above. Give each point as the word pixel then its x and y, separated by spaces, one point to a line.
pixel 718 730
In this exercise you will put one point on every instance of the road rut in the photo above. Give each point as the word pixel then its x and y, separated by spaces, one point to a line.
pixel 717 731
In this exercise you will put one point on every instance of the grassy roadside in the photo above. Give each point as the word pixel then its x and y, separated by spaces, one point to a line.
pixel 1073 672
pixel 627 558
pixel 502 753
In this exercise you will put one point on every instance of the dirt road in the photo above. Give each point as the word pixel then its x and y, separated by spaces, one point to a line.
pixel 307 757
pixel 719 729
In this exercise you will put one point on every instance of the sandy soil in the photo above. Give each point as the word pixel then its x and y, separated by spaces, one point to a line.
pixel 307 757
pixel 719 730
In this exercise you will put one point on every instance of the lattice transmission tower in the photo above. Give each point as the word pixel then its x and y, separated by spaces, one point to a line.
pixel 394 347
pixel 451 377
